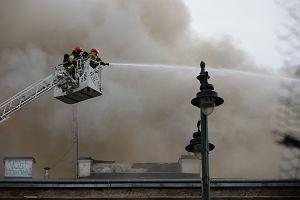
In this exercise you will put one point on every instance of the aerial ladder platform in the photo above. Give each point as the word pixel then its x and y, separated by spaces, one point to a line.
pixel 86 83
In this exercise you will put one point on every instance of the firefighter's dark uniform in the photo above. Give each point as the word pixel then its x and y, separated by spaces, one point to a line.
pixel 72 62
pixel 94 60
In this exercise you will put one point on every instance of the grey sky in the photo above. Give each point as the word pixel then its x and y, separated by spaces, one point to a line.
pixel 251 24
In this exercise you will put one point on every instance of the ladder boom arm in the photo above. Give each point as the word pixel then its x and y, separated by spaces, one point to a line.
pixel 28 95
pixel 35 90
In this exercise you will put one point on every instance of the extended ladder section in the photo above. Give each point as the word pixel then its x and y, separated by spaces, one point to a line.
pixel 28 95
pixel 83 85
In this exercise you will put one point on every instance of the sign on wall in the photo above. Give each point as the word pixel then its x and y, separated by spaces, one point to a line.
pixel 18 167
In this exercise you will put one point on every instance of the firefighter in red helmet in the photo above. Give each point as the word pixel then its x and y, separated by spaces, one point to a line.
pixel 95 60
pixel 77 51
pixel 95 51
pixel 71 60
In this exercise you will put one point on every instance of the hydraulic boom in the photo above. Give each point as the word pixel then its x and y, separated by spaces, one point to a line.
pixel 84 84
pixel 29 94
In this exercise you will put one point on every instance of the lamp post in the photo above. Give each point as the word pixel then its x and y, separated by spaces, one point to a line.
pixel 206 99
pixel 195 143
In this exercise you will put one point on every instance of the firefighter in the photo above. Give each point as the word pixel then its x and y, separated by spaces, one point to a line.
pixel 77 52
pixel 95 60
pixel 72 60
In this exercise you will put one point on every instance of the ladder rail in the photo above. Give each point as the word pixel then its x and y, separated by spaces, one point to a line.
pixel 28 95
pixel 24 90
pixel 37 89
pixel 32 85
pixel 21 104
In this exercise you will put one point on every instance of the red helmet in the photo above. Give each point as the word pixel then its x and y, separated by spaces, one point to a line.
pixel 94 50
pixel 78 49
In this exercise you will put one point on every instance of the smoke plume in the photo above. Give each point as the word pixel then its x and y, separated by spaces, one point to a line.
pixel 145 114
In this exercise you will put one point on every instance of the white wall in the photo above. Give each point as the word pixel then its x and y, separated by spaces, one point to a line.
pixel 190 165
pixel 84 167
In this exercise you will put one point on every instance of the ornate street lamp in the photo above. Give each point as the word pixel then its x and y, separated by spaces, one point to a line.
pixel 206 99
pixel 195 143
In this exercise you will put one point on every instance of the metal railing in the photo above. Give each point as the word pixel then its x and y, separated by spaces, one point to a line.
pixel 31 93
pixel 26 96
pixel 37 89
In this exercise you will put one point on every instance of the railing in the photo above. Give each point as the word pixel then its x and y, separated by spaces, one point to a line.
pixel 40 87
pixel 31 93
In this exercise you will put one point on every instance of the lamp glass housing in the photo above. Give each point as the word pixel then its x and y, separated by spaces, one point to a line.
pixel 197 148
pixel 207 105
pixel 207 110
pixel 197 151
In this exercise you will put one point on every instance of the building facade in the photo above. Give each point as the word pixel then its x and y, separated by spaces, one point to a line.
pixel 100 179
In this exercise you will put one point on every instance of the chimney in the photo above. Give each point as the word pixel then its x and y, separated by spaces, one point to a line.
pixel 190 164
pixel 84 166
pixel 46 172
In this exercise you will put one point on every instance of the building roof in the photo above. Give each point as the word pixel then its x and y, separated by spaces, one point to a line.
pixel 148 189
pixel 132 183
pixel 142 176
pixel 112 170
pixel 158 167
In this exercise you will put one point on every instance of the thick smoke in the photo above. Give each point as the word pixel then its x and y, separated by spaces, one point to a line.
pixel 145 114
